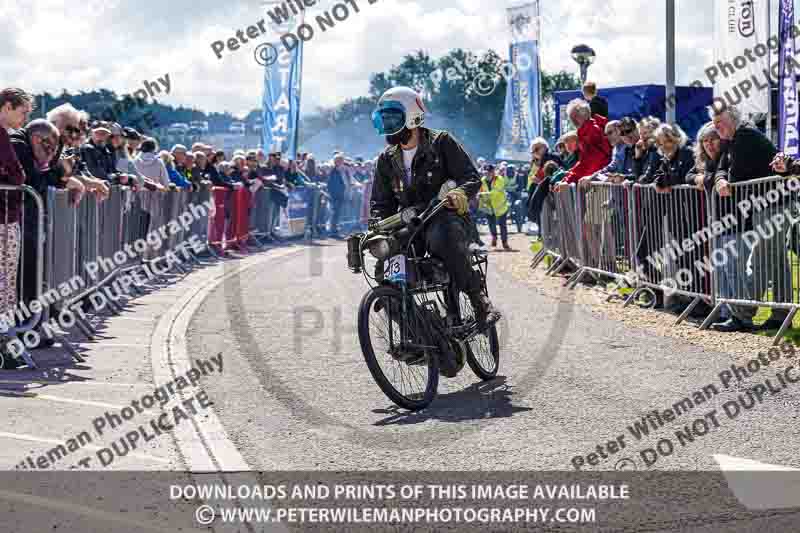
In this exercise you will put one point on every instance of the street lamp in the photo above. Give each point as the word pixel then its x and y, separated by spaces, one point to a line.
pixel 583 56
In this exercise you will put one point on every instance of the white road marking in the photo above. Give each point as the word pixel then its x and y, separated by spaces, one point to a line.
pixel 728 463
pixel 204 444
pixel 114 345
pixel 59 399
pixel 44 440
pixel 761 486
pixel 73 382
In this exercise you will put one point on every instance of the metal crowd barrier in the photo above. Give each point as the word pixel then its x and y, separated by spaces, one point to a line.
pixel 262 216
pixel 604 231
pixel 670 244
pixel 22 262
pixel 351 212
pixel 756 256
pixel 116 235
pixel 200 220
pixel 741 251
pixel 551 235
pixel 316 197
pixel 324 212
pixel 366 198
pixel 112 237
pixel 569 230
pixel 230 225
pixel 614 231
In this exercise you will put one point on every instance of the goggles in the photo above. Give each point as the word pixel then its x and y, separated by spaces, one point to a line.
pixel 389 118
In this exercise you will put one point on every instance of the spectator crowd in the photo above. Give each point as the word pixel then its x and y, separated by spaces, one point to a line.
pixel 68 150
pixel 728 150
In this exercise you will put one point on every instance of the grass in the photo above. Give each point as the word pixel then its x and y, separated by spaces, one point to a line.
pixel 536 246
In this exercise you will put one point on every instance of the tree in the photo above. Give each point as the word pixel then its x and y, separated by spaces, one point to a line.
pixel 414 71
pixel 464 93
pixel 470 94
pixel 560 81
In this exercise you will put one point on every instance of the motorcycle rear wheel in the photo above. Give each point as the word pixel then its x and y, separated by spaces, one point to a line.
pixel 483 350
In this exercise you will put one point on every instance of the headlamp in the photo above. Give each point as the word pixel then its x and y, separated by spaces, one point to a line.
pixel 379 248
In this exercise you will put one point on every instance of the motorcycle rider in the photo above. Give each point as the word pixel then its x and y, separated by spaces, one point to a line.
pixel 410 172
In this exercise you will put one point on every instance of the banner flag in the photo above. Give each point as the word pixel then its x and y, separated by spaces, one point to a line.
pixel 293 217
pixel 283 75
pixel 740 26
pixel 787 103
pixel 522 114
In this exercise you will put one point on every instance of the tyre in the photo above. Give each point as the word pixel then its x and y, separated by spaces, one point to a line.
pixel 409 379
pixel 483 350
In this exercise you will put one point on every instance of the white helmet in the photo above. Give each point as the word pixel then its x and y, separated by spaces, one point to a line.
pixel 399 107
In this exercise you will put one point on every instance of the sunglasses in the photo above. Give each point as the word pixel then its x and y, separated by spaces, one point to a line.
pixel 73 131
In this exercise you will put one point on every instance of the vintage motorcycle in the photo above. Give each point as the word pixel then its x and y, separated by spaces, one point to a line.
pixel 414 316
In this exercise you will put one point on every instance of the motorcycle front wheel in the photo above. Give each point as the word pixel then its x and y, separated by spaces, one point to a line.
pixel 391 339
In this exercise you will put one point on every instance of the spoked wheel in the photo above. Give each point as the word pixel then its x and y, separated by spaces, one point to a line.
pixel 483 350
pixel 406 373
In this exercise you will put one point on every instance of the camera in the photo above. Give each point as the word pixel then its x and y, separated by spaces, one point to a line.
pixel 79 166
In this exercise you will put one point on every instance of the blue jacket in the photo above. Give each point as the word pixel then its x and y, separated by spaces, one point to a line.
pixel 618 164
pixel 176 178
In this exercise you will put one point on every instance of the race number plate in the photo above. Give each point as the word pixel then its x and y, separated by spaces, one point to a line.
pixel 395 269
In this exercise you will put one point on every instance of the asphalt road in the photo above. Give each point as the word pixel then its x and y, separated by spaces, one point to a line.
pixel 297 395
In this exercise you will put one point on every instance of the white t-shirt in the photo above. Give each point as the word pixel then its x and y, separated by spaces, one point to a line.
pixel 408 158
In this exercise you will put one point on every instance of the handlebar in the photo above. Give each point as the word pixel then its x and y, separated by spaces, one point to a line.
pixel 421 219
pixel 395 222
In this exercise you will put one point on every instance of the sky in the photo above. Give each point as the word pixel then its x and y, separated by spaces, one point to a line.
pixel 118 44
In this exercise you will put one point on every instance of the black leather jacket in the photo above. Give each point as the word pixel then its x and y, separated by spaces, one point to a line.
pixel 673 171
pixel 99 161
pixel 439 158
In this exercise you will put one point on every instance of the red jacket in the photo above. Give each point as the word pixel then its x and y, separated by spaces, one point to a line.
pixel 594 148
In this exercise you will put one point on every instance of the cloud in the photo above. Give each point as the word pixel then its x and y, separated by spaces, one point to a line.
pixel 50 44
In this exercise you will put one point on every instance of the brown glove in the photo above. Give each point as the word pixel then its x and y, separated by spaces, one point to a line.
pixel 457 199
